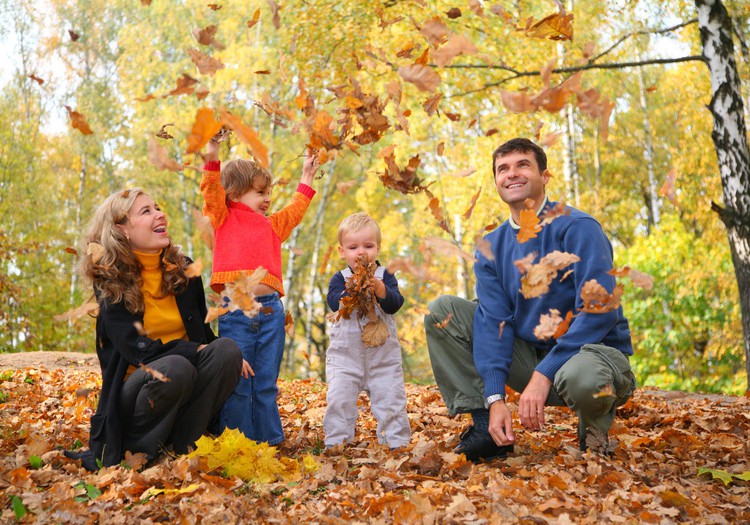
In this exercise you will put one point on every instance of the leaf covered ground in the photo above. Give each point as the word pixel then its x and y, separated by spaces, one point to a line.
pixel 664 440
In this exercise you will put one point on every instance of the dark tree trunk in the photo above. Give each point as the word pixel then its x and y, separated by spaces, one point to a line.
pixel 730 140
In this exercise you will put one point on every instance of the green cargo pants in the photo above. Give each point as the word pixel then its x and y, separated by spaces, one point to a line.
pixel 577 384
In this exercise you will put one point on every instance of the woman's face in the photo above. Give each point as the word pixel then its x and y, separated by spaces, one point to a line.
pixel 146 226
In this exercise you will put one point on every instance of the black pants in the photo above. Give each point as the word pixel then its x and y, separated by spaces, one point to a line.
pixel 177 412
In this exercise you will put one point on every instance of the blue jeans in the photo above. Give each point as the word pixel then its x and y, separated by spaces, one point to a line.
pixel 252 406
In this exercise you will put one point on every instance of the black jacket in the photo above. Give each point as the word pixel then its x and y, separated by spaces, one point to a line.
pixel 119 345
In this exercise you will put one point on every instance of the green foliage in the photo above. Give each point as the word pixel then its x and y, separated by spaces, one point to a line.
pixel 86 492
pixel 686 331
pixel 35 462
pixel 19 509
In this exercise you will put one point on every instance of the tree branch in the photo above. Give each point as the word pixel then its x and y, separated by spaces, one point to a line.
pixel 571 69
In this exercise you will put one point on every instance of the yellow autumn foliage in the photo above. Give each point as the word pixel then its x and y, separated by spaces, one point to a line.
pixel 250 461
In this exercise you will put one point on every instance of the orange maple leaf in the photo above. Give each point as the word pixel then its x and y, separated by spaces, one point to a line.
pixel 247 136
pixel 204 128
pixel 529 226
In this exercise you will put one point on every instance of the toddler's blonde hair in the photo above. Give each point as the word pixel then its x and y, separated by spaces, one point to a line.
pixel 356 222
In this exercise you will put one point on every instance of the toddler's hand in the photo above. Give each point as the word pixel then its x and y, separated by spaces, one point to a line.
pixel 378 287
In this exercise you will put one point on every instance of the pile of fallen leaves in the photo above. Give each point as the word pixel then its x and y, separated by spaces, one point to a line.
pixel 679 459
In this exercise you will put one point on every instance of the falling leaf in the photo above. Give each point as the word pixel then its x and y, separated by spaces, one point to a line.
pixel 194 269
pixel 78 121
pixel 456 45
pixel 432 104
pixel 207 65
pixel 247 136
pixel 453 13
pixel 214 7
pixel 445 247
pixel 96 251
pixel 263 72
pixel 154 373
pixel 344 187
pixel 206 37
pixel 158 156
pixel 473 202
pixel 552 213
pixel 529 226
pixel 557 26
pixel 435 31
pixel 444 322
pixel 667 190
pixel 537 277
pixel 73 35
pixel 596 299
pixel 204 128
pixel 275 8
pixel 484 247
pixel 437 211
pixel 289 324
pixel 518 102
pixel 162 133
pixel 71 251
pixel 385 152
pixel 36 79
pixel 184 86
pixel 203 226
pixel 423 77
pixel 440 149
pixel 88 308
pixel 326 258
pixel 254 19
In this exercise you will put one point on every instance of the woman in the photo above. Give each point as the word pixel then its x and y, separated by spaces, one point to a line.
pixel 152 314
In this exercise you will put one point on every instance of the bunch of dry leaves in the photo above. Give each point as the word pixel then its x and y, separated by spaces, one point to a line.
pixel 679 459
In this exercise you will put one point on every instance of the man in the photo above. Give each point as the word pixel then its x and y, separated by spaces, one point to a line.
pixel 490 343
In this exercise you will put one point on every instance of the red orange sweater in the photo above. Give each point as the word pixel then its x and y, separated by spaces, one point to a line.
pixel 244 239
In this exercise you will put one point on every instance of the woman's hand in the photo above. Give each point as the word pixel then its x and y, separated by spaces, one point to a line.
pixel 247 370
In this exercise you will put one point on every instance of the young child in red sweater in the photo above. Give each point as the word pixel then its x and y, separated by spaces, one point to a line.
pixel 237 197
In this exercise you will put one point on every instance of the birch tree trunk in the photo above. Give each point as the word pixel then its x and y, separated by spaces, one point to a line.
pixel 653 197
pixel 730 141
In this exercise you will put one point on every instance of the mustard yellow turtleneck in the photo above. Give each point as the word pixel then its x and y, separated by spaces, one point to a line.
pixel 161 318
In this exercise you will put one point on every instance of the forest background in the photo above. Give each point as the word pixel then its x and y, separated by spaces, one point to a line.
pixel 100 96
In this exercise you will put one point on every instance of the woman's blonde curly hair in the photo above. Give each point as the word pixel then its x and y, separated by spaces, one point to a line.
pixel 116 275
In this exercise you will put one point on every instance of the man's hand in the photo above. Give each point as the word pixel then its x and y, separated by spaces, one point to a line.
pixel 531 404
pixel 501 424
pixel 309 168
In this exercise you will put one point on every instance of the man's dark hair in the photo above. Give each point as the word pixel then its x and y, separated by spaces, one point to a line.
pixel 520 145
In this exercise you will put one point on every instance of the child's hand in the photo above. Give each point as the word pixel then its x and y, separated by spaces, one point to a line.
pixel 212 151
pixel 247 370
pixel 378 287
pixel 309 168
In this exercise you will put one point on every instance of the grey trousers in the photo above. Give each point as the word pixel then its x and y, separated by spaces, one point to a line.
pixel 155 413
pixel 578 384
pixel 352 368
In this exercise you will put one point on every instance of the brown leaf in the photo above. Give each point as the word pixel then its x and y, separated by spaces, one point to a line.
pixel 214 7
pixel 557 26
pixel 444 322
pixel 254 19
pixel 518 102
pixel 36 79
pixel 158 156
pixel 184 86
pixel 73 35
pixel 78 121
pixel 275 8
pixel 456 45
pixel 203 225
pixel 162 133
pixel 194 269
pixel 453 13
pixel 467 214
pixel 423 77
pixel 667 190
pixel 88 307
pixel 95 250
pixel 344 187
pixel 326 258
pixel 206 37
pixel 431 104
pixel 71 251
pixel 154 373
pixel 207 65
pixel 435 31
pixel 596 299
pixel 374 333
pixel 440 149
pixel 537 277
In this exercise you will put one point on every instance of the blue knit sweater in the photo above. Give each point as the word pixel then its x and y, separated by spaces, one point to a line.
pixel 501 303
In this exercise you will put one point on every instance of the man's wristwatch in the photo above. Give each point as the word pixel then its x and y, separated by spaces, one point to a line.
pixel 491 399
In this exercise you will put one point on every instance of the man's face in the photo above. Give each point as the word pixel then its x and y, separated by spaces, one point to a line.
pixel 517 178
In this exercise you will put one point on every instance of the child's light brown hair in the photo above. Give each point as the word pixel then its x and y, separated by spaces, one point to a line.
pixel 356 222
pixel 239 176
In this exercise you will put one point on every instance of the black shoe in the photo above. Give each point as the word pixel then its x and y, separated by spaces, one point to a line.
pixel 477 445
pixel 88 461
